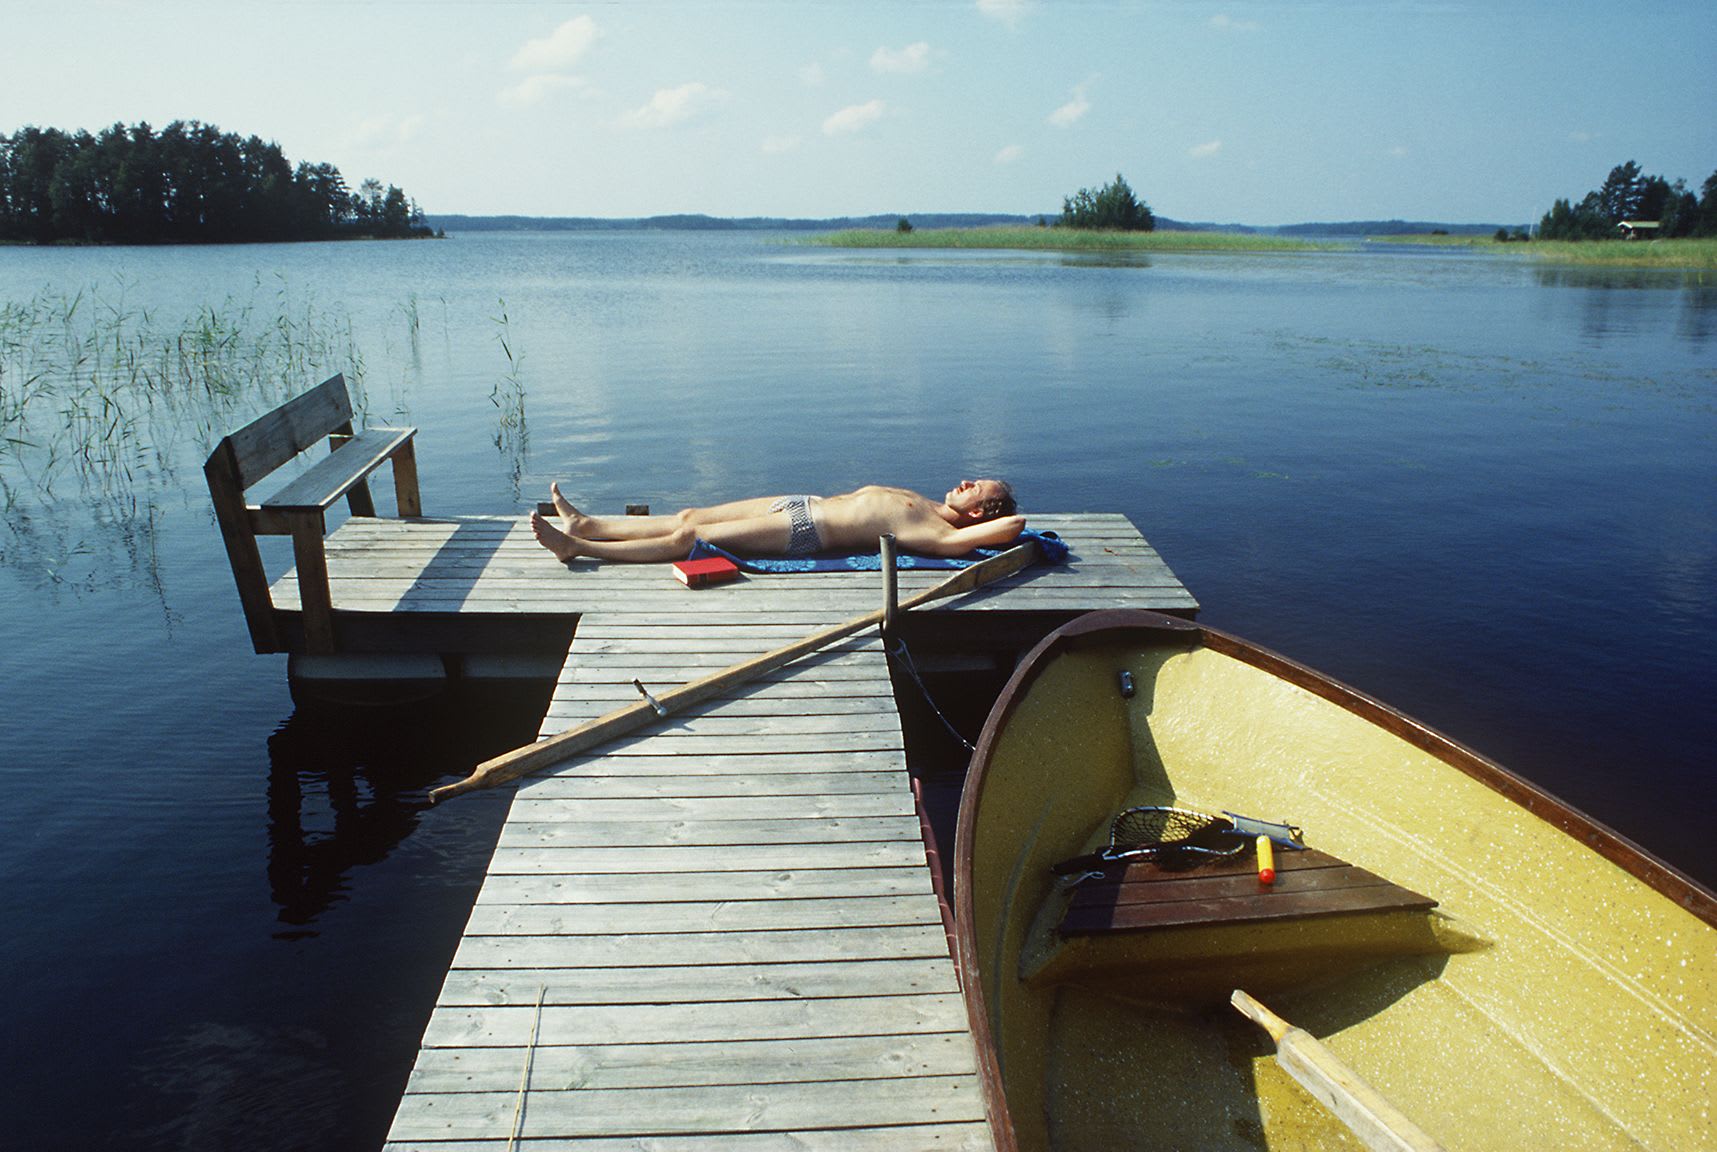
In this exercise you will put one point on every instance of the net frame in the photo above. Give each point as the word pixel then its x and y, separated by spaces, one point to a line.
pixel 1174 837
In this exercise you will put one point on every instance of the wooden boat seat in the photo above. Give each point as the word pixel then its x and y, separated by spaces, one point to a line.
pixel 1190 937
pixel 1308 884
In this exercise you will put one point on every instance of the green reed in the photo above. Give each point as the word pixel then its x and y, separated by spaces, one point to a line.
pixel 512 437
pixel 93 386
pixel 1686 252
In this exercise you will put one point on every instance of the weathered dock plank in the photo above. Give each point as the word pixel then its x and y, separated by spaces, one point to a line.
pixel 690 1110
pixel 697 984
pixel 633 1065
pixel 732 885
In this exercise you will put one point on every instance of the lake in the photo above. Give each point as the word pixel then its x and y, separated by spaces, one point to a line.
pixel 1482 490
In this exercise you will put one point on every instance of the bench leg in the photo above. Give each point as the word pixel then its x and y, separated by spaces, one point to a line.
pixel 405 481
pixel 314 595
pixel 358 499
pixel 234 518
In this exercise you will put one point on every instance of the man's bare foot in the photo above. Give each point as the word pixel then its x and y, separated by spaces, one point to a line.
pixel 571 519
pixel 563 546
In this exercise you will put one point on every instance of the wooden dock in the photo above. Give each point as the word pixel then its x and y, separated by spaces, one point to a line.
pixel 720 935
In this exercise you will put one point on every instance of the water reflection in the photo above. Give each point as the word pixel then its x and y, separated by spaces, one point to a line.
pixel 102 541
pixel 1610 306
pixel 347 783
pixel 1623 279
pixel 1104 259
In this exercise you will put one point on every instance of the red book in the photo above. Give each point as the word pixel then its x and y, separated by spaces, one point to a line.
pixel 709 570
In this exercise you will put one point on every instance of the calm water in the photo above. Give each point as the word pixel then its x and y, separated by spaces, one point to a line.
pixel 1484 492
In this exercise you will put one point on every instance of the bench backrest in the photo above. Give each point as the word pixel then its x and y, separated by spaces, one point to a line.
pixel 302 422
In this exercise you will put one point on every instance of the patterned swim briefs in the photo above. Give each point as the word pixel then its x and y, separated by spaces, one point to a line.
pixel 802 538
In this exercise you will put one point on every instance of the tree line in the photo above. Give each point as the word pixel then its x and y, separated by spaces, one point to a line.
pixel 1628 194
pixel 188 183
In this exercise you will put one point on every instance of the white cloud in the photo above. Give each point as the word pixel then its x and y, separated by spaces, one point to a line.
pixel 1209 148
pixel 854 118
pixel 1073 111
pixel 1398 151
pixel 560 50
pixel 912 58
pixel 670 106
pixel 1225 23
pixel 1009 12
pixel 1580 136
pixel 1010 154
pixel 535 89
pixel 386 131
pixel 812 75
pixel 775 145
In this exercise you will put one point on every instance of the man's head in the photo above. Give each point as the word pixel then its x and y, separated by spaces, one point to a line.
pixel 980 500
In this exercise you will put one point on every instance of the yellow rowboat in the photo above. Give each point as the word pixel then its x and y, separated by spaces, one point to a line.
pixel 1504 971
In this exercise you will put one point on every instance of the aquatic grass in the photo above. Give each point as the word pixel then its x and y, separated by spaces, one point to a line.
pixel 93 385
pixel 103 405
pixel 1062 240
pixel 512 436
pixel 1700 253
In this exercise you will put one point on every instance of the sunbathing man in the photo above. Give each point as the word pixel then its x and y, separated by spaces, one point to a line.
pixel 976 514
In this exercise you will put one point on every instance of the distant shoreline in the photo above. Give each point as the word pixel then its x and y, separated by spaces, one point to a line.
pixel 923 221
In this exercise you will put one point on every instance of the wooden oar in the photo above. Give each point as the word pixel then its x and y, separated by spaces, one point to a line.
pixel 535 757
pixel 1379 1125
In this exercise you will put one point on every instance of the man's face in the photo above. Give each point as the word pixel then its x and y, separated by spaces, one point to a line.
pixel 969 496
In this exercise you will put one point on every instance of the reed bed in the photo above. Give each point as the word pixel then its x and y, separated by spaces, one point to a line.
pixel 1062 240
pixel 94 388
pixel 1700 253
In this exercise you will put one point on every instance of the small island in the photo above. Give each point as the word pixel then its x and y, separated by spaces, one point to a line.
pixel 1107 219
pixel 190 183
pixel 1052 239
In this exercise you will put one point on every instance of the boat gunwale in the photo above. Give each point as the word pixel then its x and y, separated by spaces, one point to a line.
pixel 1657 874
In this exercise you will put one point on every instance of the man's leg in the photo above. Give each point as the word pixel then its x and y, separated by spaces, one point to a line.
pixel 576 524
pixel 765 535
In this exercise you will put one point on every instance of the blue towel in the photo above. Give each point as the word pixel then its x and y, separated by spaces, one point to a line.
pixel 1054 551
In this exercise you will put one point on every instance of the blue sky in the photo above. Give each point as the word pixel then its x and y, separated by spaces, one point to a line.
pixel 1247 112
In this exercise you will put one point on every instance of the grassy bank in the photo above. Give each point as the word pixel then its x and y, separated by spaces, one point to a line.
pixel 1060 240
pixel 1700 253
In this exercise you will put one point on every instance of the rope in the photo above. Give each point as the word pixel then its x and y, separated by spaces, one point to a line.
pixel 898 651
pixel 525 1080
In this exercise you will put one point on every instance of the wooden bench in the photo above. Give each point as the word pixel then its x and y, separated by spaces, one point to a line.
pixel 1308 884
pixel 299 509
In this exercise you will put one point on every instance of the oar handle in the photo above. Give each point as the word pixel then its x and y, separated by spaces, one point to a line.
pixel 1258 1014
pixel 1366 1112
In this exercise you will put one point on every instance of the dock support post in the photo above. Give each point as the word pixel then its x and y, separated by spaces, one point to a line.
pixel 890 585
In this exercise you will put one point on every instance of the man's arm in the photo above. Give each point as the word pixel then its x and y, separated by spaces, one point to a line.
pixel 959 541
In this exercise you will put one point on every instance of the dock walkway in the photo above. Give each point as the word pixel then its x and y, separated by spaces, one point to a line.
pixel 719 935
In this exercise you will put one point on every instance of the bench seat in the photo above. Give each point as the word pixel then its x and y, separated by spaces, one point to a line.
pixel 340 471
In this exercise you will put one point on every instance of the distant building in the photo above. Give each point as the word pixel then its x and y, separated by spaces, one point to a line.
pixel 1638 229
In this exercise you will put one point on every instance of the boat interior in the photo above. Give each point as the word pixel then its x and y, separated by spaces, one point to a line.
pixel 1503 985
